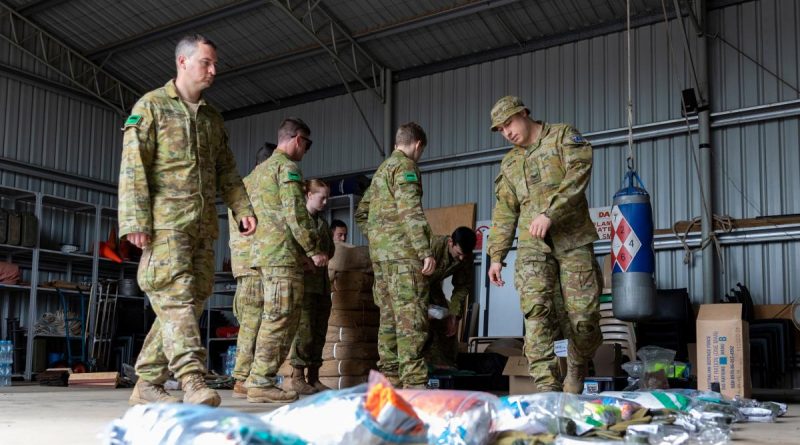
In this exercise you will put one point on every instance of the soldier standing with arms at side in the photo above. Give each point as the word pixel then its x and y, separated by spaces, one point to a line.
pixel 453 254
pixel 391 217
pixel 175 160
pixel 248 302
pixel 281 245
pixel 316 307
pixel 541 187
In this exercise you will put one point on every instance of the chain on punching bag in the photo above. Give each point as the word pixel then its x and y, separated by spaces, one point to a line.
pixel 632 256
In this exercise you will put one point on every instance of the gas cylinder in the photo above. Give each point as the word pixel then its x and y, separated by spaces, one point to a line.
pixel 632 256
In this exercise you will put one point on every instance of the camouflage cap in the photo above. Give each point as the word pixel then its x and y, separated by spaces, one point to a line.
pixel 504 108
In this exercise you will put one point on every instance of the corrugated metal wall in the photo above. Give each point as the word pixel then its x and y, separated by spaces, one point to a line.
pixel 582 83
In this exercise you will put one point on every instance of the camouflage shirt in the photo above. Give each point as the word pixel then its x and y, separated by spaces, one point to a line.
pixel 240 245
pixel 316 282
pixel 390 213
pixel 285 232
pixel 173 166
pixel 463 274
pixel 548 177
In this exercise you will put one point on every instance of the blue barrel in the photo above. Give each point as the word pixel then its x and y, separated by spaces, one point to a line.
pixel 632 256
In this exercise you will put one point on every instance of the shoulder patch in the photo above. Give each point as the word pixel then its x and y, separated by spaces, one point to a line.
pixel 133 119
pixel 578 139
pixel 410 176
pixel 294 176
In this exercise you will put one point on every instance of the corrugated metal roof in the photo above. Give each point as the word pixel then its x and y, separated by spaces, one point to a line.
pixel 265 56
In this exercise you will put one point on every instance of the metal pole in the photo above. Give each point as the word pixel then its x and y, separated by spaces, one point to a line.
pixel 704 135
pixel 388 113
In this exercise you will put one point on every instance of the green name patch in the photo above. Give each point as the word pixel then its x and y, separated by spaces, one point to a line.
pixel 134 119
pixel 294 176
pixel 410 176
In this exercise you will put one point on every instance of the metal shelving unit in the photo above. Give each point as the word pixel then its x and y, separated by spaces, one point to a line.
pixel 72 222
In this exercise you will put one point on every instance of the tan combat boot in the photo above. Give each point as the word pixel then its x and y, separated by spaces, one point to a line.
pixel 298 382
pixel 239 390
pixel 576 372
pixel 272 394
pixel 146 392
pixel 313 379
pixel 196 392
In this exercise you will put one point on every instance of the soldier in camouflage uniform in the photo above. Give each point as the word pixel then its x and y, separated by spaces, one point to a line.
pixel 391 217
pixel 541 187
pixel 316 306
pixel 282 245
pixel 175 161
pixel 453 256
pixel 248 302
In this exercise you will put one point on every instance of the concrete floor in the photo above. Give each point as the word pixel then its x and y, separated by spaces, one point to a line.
pixel 66 416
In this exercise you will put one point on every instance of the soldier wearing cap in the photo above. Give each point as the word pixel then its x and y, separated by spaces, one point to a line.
pixel 541 187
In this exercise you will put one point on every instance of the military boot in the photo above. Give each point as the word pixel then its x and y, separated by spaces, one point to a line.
pixel 313 379
pixel 146 392
pixel 272 394
pixel 239 390
pixel 196 392
pixel 576 372
pixel 298 382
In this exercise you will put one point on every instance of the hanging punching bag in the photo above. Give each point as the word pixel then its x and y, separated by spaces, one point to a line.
pixel 632 256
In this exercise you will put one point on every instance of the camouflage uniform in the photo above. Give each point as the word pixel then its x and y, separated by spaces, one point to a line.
pixel 441 350
pixel 390 215
pixel 550 177
pixel 248 303
pixel 316 306
pixel 284 237
pixel 173 165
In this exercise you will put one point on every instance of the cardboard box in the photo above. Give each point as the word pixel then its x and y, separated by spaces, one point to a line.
pixel 723 350
pixel 519 378
pixel 608 360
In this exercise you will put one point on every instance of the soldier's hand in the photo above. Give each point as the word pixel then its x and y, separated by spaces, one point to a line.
pixel 428 265
pixel 249 224
pixel 139 239
pixel 494 274
pixel 539 226
pixel 320 259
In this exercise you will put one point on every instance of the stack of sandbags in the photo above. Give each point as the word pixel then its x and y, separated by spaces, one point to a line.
pixel 351 343
pixel 351 347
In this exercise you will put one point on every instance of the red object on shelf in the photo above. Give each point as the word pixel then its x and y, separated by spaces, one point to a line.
pixel 227 331
pixel 107 252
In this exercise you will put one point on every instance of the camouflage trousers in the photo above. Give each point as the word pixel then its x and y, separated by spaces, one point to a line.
pixel 177 273
pixel 537 278
pixel 440 350
pixel 283 294
pixel 248 303
pixel 401 293
pixel 310 337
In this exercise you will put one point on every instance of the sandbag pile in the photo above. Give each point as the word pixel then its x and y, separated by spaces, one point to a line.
pixel 351 343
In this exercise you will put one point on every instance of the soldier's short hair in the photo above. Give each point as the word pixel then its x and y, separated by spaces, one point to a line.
pixel 338 223
pixel 465 238
pixel 410 133
pixel 312 185
pixel 188 44
pixel 265 152
pixel 290 127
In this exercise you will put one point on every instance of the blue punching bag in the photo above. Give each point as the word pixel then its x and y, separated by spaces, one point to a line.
pixel 632 256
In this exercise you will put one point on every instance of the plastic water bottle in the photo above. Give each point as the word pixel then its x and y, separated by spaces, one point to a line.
pixel 6 360
pixel 230 360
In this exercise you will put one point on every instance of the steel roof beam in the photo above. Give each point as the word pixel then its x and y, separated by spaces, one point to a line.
pixel 40 6
pixel 334 39
pixel 387 31
pixel 177 27
pixel 79 71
